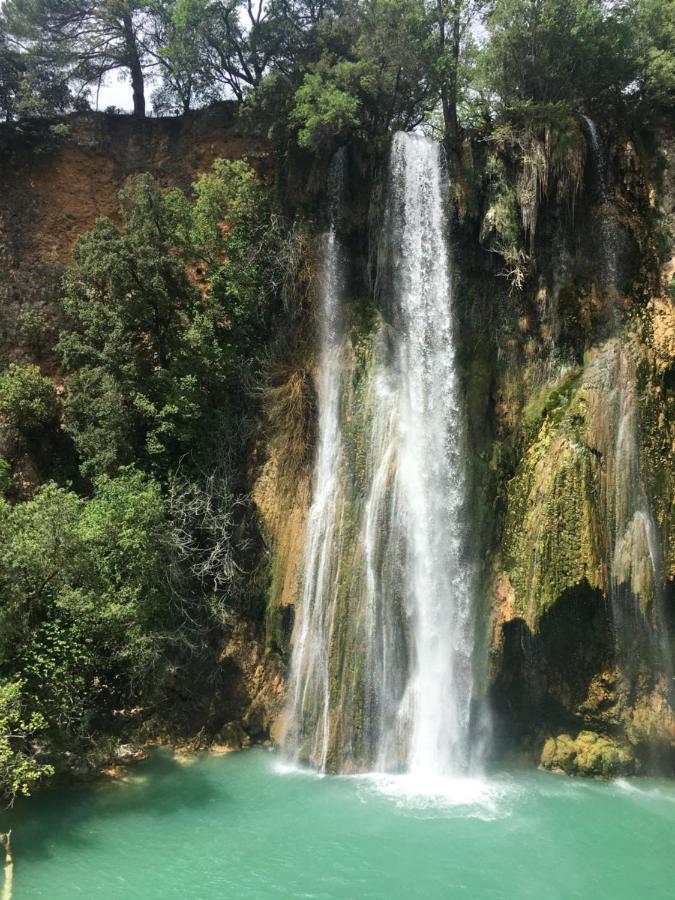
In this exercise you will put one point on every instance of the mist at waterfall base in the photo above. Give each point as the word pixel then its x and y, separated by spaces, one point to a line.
pixel 383 664
pixel 244 826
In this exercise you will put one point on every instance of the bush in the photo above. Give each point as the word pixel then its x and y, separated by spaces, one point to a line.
pixel 20 771
pixel 165 317
pixel 27 400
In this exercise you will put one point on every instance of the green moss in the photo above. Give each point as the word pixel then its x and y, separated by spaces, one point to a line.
pixel 551 400
pixel 589 754
pixel 550 536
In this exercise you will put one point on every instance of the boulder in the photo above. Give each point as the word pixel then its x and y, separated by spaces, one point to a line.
pixel 587 754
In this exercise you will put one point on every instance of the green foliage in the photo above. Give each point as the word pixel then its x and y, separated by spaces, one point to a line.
pixel 371 70
pixel 19 769
pixel 84 609
pixel 152 351
pixel 652 25
pixel 325 104
pixel 536 155
pixel 501 226
pixel 30 85
pixel 582 53
pixel 177 42
pixel 321 71
pixel 33 327
pixel 127 298
pixel 103 598
pixel 27 401
pixel 5 476
pixel 547 51
pixel 85 40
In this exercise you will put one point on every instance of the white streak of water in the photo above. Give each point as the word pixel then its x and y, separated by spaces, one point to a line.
pixel 383 668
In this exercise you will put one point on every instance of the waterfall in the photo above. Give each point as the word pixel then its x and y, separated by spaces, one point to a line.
pixel 608 233
pixel 310 675
pixel 636 565
pixel 382 672
pixel 429 482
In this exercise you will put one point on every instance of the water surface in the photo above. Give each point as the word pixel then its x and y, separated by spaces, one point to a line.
pixel 243 826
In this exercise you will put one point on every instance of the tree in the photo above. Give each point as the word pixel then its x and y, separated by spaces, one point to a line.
pixel 653 31
pixel 557 51
pixel 27 399
pixel 242 39
pixel 132 391
pixel 365 72
pixel 29 84
pixel 12 73
pixel 165 316
pixel 452 21
pixel 86 617
pixel 176 40
pixel 88 39
pixel 19 769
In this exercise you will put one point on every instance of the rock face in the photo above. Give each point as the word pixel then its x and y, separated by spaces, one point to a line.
pixel 569 383
pixel 581 576
pixel 58 178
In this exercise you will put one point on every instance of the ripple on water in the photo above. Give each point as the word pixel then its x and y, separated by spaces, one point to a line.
pixel 633 789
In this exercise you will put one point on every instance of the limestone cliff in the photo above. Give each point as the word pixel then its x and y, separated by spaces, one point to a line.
pixel 577 463
pixel 567 328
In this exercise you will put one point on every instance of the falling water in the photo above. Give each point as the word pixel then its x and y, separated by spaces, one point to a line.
pixel 429 480
pixel 636 572
pixel 606 213
pixel 383 658
pixel 310 676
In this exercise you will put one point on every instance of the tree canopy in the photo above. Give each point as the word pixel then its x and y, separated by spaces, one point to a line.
pixel 108 590
pixel 313 70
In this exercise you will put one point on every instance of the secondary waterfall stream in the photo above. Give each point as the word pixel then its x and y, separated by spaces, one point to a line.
pixel 383 670
pixel 635 565
pixel 606 214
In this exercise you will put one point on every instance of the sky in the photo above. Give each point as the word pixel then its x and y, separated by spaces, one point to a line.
pixel 115 92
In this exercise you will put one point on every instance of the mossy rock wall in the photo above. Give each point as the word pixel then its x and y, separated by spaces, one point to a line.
pixel 581 477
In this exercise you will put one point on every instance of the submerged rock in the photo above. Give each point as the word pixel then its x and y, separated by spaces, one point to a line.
pixel 587 754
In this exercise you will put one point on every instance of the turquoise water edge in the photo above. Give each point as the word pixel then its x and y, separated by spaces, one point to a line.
pixel 245 825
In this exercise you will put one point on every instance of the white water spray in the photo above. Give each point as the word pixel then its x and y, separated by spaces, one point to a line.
pixel 383 673
pixel 429 479
pixel 310 676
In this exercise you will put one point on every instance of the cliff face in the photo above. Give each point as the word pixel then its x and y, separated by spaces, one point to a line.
pixel 570 387
pixel 58 178
pixel 563 268
pixel 567 347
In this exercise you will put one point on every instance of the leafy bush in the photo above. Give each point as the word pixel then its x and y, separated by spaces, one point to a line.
pixel 86 621
pixel 27 400
pixel 5 476
pixel 20 771
pixel 165 315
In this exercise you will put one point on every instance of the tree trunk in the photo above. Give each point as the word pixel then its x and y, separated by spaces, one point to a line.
pixel 134 63
pixel 449 31
pixel 450 106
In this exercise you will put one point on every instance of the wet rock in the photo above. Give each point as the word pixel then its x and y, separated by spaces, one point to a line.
pixel 255 721
pixel 77 767
pixel 128 754
pixel 232 736
pixel 587 754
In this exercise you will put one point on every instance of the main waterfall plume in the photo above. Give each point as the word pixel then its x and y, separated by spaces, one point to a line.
pixel 383 667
